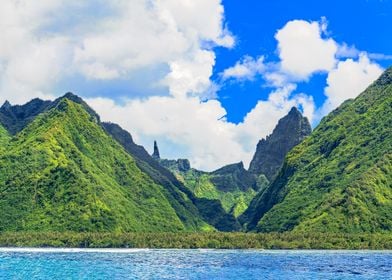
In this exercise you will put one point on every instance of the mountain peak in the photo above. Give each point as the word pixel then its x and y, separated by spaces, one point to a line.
pixel 6 105
pixel 155 154
pixel 294 110
pixel 270 152
pixel 75 98
pixel 71 96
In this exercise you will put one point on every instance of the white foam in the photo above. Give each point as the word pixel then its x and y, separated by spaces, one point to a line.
pixel 69 250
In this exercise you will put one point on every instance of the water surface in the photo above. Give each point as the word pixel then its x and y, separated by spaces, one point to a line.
pixel 192 264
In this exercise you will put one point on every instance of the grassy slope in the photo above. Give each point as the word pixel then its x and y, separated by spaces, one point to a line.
pixel 4 137
pixel 338 179
pixel 234 202
pixel 180 198
pixel 63 172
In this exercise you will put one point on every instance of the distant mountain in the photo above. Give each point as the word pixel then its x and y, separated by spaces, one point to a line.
pixel 270 152
pixel 232 185
pixel 15 118
pixel 339 179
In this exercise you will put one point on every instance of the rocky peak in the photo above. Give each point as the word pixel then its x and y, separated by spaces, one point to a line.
pixel 155 154
pixel 270 152
pixel 7 105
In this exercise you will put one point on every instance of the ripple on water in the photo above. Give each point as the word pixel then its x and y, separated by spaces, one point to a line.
pixel 192 264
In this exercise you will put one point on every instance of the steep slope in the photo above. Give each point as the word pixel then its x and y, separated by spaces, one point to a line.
pixel 63 172
pixel 185 201
pixel 270 152
pixel 232 185
pixel 340 178
pixel 4 137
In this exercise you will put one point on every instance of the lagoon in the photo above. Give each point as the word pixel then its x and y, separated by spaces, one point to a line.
pixel 29 263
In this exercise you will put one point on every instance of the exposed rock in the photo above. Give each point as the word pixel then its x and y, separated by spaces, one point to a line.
pixel 15 118
pixel 155 154
pixel 233 177
pixel 181 165
pixel 270 152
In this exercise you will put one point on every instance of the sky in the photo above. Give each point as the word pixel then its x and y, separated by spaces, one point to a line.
pixel 207 79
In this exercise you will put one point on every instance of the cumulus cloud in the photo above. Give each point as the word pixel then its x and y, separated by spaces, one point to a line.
pixel 348 80
pixel 199 130
pixel 40 46
pixel 38 52
pixel 303 50
pixel 246 69
pixel 28 61
pixel 262 119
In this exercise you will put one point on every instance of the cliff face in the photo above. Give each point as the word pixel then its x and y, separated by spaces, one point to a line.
pixel 270 152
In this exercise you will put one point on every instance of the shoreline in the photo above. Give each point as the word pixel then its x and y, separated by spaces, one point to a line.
pixel 48 250
pixel 202 240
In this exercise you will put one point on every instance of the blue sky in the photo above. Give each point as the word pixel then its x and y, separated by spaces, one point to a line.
pixel 207 79
pixel 360 23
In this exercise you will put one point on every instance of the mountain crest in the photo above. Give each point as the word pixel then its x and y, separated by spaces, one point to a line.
pixel 6 105
pixel 385 78
pixel 155 154
pixel 74 98
pixel 271 151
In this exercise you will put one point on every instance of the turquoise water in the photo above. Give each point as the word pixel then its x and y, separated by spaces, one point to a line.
pixel 193 264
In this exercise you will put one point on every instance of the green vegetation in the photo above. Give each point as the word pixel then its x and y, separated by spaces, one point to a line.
pixel 235 188
pixel 213 240
pixel 186 204
pixel 234 202
pixel 66 179
pixel 340 178
pixel 64 173
pixel 4 137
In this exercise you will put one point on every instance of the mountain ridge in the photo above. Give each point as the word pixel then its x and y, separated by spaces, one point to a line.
pixel 339 178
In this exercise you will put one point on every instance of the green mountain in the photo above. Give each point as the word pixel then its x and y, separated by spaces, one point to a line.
pixel 339 179
pixel 62 171
pixel 4 137
pixel 232 185
pixel 210 209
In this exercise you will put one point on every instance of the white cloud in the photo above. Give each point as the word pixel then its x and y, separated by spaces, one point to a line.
pixel 380 56
pixel 348 80
pixel 246 69
pixel 29 63
pixel 152 32
pixel 346 51
pixel 198 130
pixel 185 122
pixel 191 74
pixel 262 119
pixel 303 50
pixel 38 51
pixel 40 46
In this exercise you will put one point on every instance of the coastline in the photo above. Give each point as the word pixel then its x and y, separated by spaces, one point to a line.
pixel 208 240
